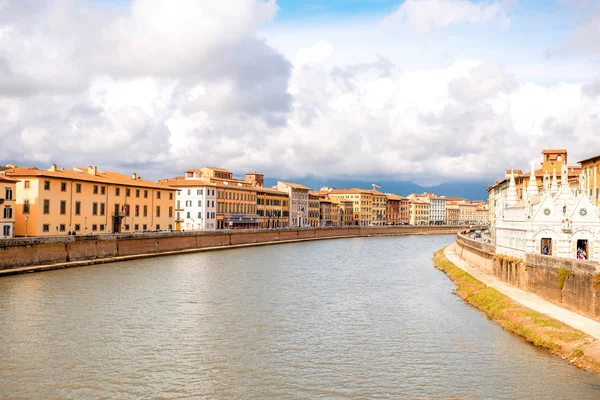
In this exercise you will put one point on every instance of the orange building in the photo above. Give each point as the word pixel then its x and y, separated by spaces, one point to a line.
pixel 273 208
pixel 314 209
pixel 362 203
pixel 346 212
pixel 591 171
pixel 393 209
pixel 88 201
pixel 8 189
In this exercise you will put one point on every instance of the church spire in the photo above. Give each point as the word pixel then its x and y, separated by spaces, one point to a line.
pixel 532 188
pixel 511 197
pixel 554 187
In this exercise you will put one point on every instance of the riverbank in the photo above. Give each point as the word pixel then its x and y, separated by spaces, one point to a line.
pixel 42 254
pixel 579 348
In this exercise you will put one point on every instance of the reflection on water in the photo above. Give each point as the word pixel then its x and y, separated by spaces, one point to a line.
pixel 360 318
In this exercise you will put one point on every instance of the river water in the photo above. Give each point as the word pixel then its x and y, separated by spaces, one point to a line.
pixel 350 318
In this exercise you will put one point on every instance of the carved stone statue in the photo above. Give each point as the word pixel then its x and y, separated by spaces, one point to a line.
pixel 546 182
pixel 564 175
pixel 581 182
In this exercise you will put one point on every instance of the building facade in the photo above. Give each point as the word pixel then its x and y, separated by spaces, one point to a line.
pixel 195 203
pixel 437 210
pixel 346 212
pixel 559 221
pixel 591 170
pixel 273 208
pixel 452 214
pixel 419 211
pixel 393 209
pixel 314 209
pixel 362 199
pixel 299 202
pixel 8 189
pixel 88 201
pixel 379 210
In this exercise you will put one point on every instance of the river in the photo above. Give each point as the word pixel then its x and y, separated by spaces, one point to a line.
pixel 348 318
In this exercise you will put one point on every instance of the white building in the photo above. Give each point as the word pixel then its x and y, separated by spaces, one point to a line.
pixel 299 202
pixel 559 221
pixel 437 210
pixel 195 203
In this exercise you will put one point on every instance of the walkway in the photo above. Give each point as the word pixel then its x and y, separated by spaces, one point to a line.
pixel 530 300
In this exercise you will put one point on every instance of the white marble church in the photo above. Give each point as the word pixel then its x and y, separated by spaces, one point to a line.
pixel 559 221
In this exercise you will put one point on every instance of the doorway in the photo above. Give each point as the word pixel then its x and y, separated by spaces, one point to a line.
pixel 582 249
pixel 546 248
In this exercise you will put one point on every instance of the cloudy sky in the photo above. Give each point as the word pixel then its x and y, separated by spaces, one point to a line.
pixel 423 90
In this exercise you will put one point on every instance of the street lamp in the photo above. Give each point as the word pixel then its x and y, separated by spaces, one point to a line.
pixel 26 219
pixel 84 225
pixel 131 229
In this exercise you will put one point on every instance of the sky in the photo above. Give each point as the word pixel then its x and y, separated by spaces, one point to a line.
pixel 429 91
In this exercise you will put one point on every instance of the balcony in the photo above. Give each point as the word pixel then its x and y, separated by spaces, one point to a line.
pixel 119 214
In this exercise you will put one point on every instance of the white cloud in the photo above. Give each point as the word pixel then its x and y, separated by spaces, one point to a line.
pixel 432 15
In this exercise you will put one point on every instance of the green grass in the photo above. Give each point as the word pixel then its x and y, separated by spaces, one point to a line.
pixel 538 329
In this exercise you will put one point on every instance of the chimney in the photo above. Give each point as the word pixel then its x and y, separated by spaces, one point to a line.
pixel 134 176
pixel 92 170
pixel 52 168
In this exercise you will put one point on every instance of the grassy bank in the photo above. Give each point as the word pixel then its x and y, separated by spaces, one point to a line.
pixel 542 331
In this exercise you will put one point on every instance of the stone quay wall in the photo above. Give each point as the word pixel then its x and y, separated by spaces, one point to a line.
pixel 572 284
pixel 23 252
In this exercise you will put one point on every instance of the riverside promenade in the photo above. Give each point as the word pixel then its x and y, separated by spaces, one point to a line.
pixel 528 299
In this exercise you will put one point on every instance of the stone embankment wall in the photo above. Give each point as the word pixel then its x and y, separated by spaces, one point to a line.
pixel 572 284
pixel 24 252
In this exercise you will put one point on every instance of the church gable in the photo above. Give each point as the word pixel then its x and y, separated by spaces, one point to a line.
pixel 583 210
pixel 545 210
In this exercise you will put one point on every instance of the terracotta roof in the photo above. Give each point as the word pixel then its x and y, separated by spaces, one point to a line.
pixel 545 151
pixel 7 179
pixel 218 169
pixel 185 182
pixel 295 185
pixel 572 170
pixel 394 197
pixel 270 190
pixel 254 173
pixel 106 177
pixel 352 191
pixel 592 158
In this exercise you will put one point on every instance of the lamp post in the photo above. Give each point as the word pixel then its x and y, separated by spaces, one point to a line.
pixel 84 226
pixel 26 219
pixel 170 226
pixel 131 229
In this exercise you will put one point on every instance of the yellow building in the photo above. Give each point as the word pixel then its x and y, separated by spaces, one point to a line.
pixel 330 212
pixel 346 212
pixel 363 203
pixel 8 190
pixel 88 201
pixel 468 213
pixel 379 209
pixel 314 209
pixel 418 211
pixel 236 207
pixel 591 170
pixel 273 208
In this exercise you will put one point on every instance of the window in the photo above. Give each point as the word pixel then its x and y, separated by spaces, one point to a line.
pixel 94 208
pixel 170 227
pixel 46 206
pixel 212 215
pixel 62 227
pixel 26 207
pixel 137 210
pixel 78 188
pixel 126 227
pixel 170 211
pixel 77 227
pixel 137 193
pixel 102 190
pixel 127 192
pixel 77 208
pixel 63 207
pixel 7 212
pixel 189 192
pixel 46 228
pixel 101 208
pixel 582 249
pixel 94 227
pixel 145 227
pixel 188 215
pixel 117 191
pixel 213 203
pixel 207 215
pixel 63 186
pixel 170 195
pixel 8 194
pixel 46 185
pixel 136 227
pixel 158 195
pixel 95 191
pixel 157 227
pixel 199 215
pixel 26 184
pixel 145 211
pixel 145 194
pixel 158 211
pixel 102 227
